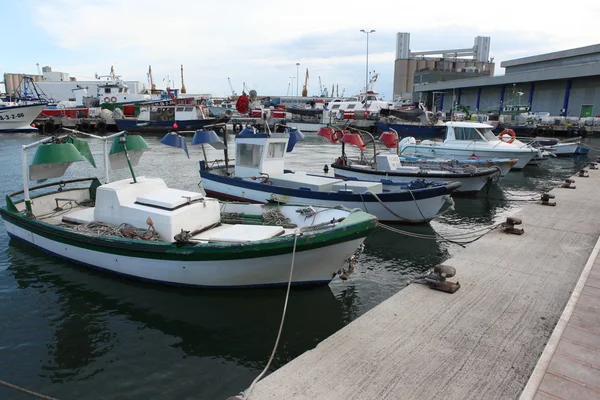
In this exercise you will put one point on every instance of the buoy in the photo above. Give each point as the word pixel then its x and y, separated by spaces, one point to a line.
pixel 175 126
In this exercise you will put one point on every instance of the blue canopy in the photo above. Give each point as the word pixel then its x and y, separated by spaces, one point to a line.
pixel 208 137
pixel 174 140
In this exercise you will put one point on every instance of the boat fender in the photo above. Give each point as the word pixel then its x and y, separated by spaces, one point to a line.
pixel 107 100
pixel 509 132
pixel 113 99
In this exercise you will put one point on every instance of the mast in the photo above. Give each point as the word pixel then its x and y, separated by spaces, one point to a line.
pixel 182 84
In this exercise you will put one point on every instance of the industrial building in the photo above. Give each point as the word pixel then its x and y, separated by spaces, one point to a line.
pixel 59 86
pixel 438 65
pixel 563 83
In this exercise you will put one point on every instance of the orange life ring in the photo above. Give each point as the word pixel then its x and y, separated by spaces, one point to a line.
pixel 509 132
pixel 106 100
pixel 113 99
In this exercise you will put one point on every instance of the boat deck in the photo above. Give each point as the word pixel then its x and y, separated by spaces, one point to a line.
pixel 485 340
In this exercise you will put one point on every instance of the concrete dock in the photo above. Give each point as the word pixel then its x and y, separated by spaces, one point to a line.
pixel 484 341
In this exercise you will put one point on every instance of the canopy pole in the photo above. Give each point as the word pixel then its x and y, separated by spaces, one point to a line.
pixel 225 151
pixel 26 170
pixel 26 179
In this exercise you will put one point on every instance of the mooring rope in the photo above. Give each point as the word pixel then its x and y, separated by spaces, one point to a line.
pixel 246 394
pixel 27 391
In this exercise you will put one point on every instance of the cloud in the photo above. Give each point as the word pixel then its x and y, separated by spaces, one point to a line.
pixel 260 43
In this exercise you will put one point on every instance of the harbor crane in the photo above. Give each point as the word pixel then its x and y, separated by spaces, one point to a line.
pixel 305 87
pixel 182 84
pixel 233 93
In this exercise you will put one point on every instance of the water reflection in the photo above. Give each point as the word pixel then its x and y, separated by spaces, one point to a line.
pixel 238 326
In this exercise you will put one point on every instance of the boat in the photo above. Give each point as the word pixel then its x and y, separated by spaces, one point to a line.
pixel 17 117
pixel 569 147
pixel 162 119
pixel 140 228
pixel 503 164
pixel 472 139
pixel 411 121
pixel 259 175
pixel 389 170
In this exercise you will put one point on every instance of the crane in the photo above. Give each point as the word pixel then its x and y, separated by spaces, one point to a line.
pixel 182 84
pixel 305 87
pixel 233 93
pixel 321 87
pixel 152 85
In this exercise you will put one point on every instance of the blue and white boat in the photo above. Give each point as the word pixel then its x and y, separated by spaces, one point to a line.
pixel 162 119
pixel 18 117
pixel 259 176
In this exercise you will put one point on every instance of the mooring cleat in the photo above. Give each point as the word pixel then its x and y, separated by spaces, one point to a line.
pixel 546 199
pixel 583 174
pixel 567 184
pixel 593 166
pixel 509 226
pixel 436 279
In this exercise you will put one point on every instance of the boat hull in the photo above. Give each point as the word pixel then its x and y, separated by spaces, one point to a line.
pixel 250 266
pixel 469 183
pixel 406 207
pixel 18 119
pixel 134 125
pixel 416 130
pixel 462 153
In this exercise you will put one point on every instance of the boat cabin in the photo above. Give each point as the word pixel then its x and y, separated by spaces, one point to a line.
pixel 150 200
pixel 114 90
pixel 262 155
pixel 184 112
pixel 469 131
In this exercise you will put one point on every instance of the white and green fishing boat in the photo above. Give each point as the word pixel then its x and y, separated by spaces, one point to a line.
pixel 140 228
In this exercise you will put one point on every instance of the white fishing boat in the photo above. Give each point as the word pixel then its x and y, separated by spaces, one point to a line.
pixel 18 117
pixel 259 175
pixel 471 139
pixel 140 228
pixel 386 167
pixel 568 147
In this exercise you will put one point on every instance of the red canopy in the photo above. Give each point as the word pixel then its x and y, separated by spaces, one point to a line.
pixel 390 139
pixel 354 139
pixel 330 134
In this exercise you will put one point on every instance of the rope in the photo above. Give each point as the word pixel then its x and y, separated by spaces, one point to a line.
pixel 27 391
pixel 246 394
pixel 124 231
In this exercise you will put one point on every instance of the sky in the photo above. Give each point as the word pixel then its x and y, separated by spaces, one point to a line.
pixel 258 44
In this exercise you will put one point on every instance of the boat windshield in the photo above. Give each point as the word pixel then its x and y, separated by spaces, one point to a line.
pixel 487 133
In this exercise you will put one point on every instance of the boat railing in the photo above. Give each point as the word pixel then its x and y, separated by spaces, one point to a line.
pixel 61 184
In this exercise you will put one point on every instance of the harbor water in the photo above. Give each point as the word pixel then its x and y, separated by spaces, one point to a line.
pixel 69 332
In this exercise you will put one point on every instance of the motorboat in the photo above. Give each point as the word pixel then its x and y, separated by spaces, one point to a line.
pixel 472 140
pixel 386 167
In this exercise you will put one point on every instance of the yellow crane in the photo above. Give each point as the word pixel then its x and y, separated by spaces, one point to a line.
pixel 305 87
pixel 152 85
pixel 182 84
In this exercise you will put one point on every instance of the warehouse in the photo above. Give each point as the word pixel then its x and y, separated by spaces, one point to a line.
pixel 563 83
